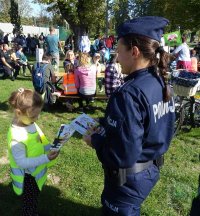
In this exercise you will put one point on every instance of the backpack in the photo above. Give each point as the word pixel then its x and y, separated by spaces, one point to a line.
pixel 38 78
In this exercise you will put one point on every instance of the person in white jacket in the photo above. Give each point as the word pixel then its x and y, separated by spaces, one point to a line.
pixel 182 53
pixel 85 43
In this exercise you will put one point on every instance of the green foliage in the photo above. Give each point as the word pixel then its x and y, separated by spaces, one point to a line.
pixel 120 11
pixel 181 13
pixel 14 17
pixel 85 14
pixel 4 11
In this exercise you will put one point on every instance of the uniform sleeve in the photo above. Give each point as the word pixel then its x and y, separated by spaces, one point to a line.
pixel 122 145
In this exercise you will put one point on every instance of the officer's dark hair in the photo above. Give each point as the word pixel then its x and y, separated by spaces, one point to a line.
pixel 150 48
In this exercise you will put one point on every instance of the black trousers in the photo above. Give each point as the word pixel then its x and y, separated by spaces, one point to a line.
pixel 30 196
pixel 8 71
pixel 87 98
pixel 26 66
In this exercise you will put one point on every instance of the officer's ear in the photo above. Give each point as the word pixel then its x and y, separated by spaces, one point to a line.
pixel 135 51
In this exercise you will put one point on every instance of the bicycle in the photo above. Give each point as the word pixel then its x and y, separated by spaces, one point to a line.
pixel 187 105
pixel 187 112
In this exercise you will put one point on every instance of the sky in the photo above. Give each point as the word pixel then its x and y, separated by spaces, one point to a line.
pixel 36 8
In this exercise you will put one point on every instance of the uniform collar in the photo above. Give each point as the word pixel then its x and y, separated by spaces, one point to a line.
pixel 140 73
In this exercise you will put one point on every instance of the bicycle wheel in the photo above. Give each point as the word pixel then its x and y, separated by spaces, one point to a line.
pixel 179 113
pixel 187 113
pixel 197 114
pixel 191 116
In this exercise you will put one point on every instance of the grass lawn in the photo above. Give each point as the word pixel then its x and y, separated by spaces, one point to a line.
pixel 75 183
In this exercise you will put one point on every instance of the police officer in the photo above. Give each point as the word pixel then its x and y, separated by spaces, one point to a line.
pixel 138 125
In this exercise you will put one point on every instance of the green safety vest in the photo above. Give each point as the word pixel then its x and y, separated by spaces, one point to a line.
pixel 36 145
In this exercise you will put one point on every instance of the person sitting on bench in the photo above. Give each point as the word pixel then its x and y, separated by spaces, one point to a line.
pixel 85 80
pixel 47 88
pixel 70 62
pixel 10 67
pixel 22 60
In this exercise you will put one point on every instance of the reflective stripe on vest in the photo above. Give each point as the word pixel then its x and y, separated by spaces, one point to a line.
pixel 31 170
pixel 69 84
pixel 17 171
pixel 18 187
pixel 40 174
pixel 17 184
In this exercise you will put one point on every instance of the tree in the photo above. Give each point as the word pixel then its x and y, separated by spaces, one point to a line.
pixel 4 11
pixel 14 17
pixel 183 14
pixel 139 7
pixel 24 8
pixel 120 11
pixel 83 16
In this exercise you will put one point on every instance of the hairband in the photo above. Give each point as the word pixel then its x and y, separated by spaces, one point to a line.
pixel 20 90
pixel 159 49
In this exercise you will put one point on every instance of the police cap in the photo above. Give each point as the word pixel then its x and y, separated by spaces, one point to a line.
pixel 149 26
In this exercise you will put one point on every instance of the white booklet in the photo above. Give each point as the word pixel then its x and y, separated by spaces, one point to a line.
pixel 63 135
pixel 82 122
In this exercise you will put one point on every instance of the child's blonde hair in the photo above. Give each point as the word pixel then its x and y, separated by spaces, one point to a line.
pixel 84 59
pixel 67 55
pixel 25 100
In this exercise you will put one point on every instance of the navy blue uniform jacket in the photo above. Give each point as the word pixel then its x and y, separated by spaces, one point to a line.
pixel 138 124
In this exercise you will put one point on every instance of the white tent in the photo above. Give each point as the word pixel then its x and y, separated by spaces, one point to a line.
pixel 33 30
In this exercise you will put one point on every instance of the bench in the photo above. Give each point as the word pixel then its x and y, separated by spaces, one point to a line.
pixel 58 96
pixel 63 97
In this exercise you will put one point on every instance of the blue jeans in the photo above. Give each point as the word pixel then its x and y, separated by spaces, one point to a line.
pixel 126 200
pixel 56 60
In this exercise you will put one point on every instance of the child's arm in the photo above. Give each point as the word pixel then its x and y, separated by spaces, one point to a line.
pixel 19 154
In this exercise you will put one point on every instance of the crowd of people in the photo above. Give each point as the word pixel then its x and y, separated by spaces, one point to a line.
pixel 186 57
pixel 135 131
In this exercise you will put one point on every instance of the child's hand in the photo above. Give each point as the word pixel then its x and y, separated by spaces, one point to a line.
pixel 53 154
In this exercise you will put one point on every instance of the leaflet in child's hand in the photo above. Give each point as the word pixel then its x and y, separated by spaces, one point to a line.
pixel 82 122
pixel 63 135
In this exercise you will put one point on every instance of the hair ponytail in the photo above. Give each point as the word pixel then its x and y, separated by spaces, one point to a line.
pixel 162 69
pixel 150 49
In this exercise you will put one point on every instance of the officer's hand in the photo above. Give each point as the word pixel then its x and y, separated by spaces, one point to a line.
pixel 93 130
pixel 87 139
pixel 53 154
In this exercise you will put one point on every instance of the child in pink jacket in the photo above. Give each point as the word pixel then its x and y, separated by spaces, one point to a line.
pixel 85 79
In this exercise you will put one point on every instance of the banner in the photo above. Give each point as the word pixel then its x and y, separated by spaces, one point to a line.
pixel 63 33
pixel 173 38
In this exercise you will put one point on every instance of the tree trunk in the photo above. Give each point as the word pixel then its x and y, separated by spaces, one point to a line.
pixel 78 32
pixel 78 29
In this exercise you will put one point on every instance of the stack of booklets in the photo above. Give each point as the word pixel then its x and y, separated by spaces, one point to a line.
pixel 80 124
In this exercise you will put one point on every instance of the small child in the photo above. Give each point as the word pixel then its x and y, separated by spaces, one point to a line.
pixel 95 61
pixel 194 60
pixel 28 149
